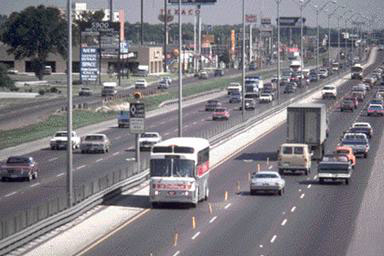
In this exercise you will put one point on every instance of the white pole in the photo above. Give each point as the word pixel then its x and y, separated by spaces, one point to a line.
pixel 180 76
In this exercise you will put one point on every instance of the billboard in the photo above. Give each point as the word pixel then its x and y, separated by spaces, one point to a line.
pixel 89 64
pixel 290 21
pixel 266 21
pixel 250 18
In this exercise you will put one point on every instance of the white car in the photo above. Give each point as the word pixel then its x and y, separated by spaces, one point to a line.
pixel 59 140
pixel 362 124
pixel 95 143
pixel 148 139
pixel 141 84
pixel 265 97
pixel 329 91
pixel 267 181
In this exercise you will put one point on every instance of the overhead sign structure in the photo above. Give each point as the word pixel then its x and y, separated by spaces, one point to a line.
pixel 290 21
pixel 266 21
pixel 192 1
pixel 250 18
pixel 136 117
pixel 89 64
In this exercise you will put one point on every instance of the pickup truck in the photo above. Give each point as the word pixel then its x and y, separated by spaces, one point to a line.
pixel 265 97
pixel 358 142
pixel 59 140
pixel 334 168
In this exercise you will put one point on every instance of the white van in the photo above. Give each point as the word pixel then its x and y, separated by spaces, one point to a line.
pixel 234 88
pixel 294 157
pixel 109 89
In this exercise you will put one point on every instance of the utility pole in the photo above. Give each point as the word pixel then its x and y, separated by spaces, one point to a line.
pixel 278 50
pixel 142 22
pixel 69 108
pixel 165 35
pixel 243 68
pixel 110 11
pixel 180 76
pixel 199 38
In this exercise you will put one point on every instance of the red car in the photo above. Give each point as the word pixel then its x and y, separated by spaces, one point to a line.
pixel 220 114
pixel 354 99
pixel 19 167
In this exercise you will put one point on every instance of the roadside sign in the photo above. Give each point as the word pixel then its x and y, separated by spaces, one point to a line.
pixel 136 117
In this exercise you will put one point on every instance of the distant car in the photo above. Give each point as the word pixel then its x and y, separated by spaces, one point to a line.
pixel 203 75
pixel 163 84
pixel 347 104
pixel 375 110
pixel 290 88
pixel 250 104
pixel 219 72
pixel 19 167
pixel 329 91
pixel 141 84
pixel 376 101
pixel 323 73
pixel 85 91
pixel 235 98
pixel 364 125
pixel 265 97
pixel 148 139
pixel 12 71
pixel 60 139
pixel 267 181
pixel 211 105
pixel 47 70
pixel 95 143
pixel 168 79
pixel 353 99
pixel 220 113
pixel 313 77
pixel 334 167
pixel 346 151
pixel 252 67
pixel 364 130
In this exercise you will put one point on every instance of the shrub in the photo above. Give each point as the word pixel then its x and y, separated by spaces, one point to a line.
pixel 54 90
pixel 41 91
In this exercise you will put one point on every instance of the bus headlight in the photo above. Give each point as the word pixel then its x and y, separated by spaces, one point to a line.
pixel 186 193
pixel 156 192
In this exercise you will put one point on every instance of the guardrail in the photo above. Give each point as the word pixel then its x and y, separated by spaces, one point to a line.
pixel 29 224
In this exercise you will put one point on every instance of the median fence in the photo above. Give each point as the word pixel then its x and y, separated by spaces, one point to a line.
pixel 32 222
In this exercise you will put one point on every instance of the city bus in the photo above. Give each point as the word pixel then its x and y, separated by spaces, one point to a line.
pixel 179 171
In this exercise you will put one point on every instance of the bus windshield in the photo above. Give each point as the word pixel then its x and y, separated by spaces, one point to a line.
pixel 172 168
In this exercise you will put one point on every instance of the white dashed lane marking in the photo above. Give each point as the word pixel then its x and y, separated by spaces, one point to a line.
pixel 195 235
pixel 293 209
pixel 273 239
pixel 227 206
pixel 81 167
pixel 116 153
pixel 52 159
pixel 213 219
pixel 284 222
pixel 302 196
pixel 98 160
pixel 176 253
pixel 34 185
pixel 60 174
pixel 10 194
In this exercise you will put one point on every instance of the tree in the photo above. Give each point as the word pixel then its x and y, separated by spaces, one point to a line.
pixel 34 33
pixel 5 81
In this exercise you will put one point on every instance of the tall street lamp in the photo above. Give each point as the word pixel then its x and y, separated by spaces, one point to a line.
pixel 243 65
pixel 278 50
pixel 303 4
pixel 345 41
pixel 329 30
pixel 351 36
pixel 318 10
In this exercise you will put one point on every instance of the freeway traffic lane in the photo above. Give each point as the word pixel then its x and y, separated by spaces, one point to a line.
pixel 51 181
pixel 247 222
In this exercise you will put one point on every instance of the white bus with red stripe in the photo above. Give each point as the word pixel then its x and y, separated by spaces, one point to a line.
pixel 179 171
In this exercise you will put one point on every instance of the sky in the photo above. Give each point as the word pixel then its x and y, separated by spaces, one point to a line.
pixel 223 12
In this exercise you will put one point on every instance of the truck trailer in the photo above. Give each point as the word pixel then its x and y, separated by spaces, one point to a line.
pixel 307 124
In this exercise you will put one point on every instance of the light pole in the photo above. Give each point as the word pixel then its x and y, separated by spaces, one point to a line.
pixel 352 43
pixel 329 31
pixel 278 50
pixel 180 77
pixel 318 10
pixel 345 41
pixel 69 108
pixel 303 4
pixel 243 68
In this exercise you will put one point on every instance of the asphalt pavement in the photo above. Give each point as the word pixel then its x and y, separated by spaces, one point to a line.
pixel 309 219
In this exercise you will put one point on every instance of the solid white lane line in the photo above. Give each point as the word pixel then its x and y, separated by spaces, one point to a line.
pixel 284 221
pixel 309 186
pixel 130 159
pixel 81 167
pixel 98 160
pixel 227 206
pixel 273 239
pixel 34 185
pixel 293 209
pixel 116 153
pixel 213 219
pixel 10 194
pixel 176 253
pixel 60 174
pixel 195 235
pixel 302 196
pixel 52 159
